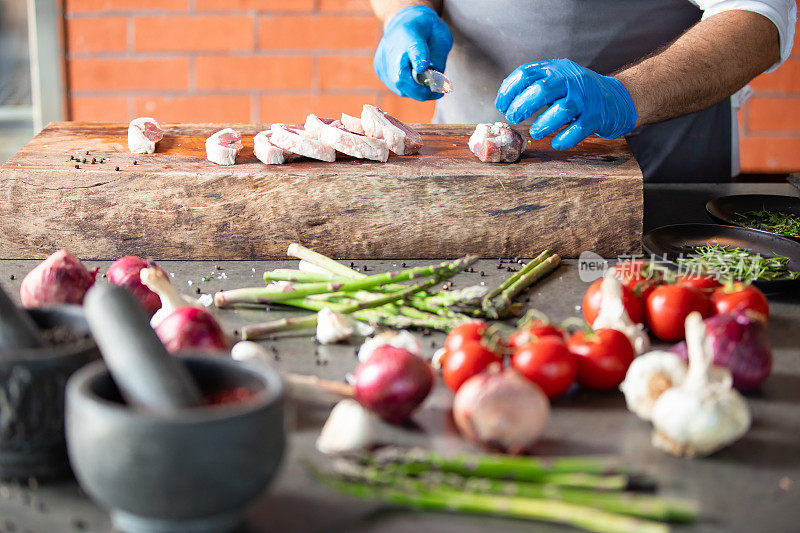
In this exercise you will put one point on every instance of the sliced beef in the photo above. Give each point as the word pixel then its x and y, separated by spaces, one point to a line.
pixel 399 137
pixel 497 142
pixel 332 132
pixel 268 153
pixel 223 147
pixel 297 140
pixel 143 134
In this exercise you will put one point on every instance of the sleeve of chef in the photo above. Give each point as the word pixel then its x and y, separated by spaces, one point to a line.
pixel 782 13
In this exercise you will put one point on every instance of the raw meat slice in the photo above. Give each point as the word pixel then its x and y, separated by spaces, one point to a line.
pixel 497 142
pixel 401 139
pixel 268 153
pixel 333 133
pixel 352 123
pixel 143 134
pixel 297 140
pixel 223 147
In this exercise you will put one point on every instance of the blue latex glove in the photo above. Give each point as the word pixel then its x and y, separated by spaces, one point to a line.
pixel 581 99
pixel 415 38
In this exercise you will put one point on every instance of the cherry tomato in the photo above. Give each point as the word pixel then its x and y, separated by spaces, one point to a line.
pixel 668 306
pixel 639 276
pixel 740 296
pixel 603 357
pixel 471 330
pixel 532 331
pixel 547 362
pixel 469 359
pixel 594 297
pixel 705 284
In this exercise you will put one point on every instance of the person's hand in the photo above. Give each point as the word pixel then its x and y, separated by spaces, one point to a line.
pixel 578 98
pixel 415 39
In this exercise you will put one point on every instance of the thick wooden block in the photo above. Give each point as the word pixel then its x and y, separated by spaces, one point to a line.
pixel 442 203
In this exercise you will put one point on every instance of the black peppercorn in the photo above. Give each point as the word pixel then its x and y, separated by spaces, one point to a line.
pixel 11 277
pixel 77 166
pixel 116 168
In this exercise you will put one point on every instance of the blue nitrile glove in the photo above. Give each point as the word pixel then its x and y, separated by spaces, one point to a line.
pixel 581 99
pixel 415 38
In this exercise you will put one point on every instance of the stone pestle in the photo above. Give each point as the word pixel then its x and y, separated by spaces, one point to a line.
pixel 145 373
pixel 17 328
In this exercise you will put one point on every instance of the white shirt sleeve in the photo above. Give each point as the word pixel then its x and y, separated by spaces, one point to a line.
pixel 782 13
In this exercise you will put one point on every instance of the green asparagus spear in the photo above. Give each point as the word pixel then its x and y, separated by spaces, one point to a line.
pixel 501 309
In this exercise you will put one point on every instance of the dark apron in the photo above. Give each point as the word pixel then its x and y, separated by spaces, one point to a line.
pixel 492 38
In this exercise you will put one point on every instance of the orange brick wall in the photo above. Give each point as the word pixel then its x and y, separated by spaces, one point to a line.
pixel 278 60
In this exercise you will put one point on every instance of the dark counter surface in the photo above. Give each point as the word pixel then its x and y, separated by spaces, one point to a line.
pixel 752 486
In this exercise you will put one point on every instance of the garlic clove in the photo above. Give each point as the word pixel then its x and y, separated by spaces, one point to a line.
pixel 247 350
pixel 648 377
pixel 333 327
pixel 402 339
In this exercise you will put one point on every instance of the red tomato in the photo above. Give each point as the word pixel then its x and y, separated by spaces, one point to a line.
pixel 532 331
pixel 705 284
pixel 603 357
pixel 740 296
pixel 548 363
pixel 639 276
pixel 594 297
pixel 471 330
pixel 668 306
pixel 469 359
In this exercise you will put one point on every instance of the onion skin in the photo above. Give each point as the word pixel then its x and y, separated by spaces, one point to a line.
pixel 741 344
pixel 59 279
pixel 124 272
pixel 501 409
pixel 393 382
pixel 193 329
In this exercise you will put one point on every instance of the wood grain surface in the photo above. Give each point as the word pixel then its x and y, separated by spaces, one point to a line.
pixel 442 203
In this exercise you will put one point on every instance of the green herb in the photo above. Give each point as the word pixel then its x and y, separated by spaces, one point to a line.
pixel 206 278
pixel 739 264
pixel 783 223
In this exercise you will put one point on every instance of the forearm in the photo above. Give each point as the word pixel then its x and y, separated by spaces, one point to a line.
pixel 708 63
pixel 385 9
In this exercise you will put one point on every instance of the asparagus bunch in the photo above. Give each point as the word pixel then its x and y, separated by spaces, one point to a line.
pixel 478 484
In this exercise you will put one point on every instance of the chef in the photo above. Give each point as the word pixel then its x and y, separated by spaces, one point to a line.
pixel 669 75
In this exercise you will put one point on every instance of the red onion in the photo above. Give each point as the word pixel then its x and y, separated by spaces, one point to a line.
pixel 393 382
pixel 501 409
pixel 125 273
pixel 192 329
pixel 740 343
pixel 59 279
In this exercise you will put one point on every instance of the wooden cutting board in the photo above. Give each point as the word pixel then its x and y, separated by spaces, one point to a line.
pixel 442 203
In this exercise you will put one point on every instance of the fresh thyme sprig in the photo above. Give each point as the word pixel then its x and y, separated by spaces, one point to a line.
pixel 736 264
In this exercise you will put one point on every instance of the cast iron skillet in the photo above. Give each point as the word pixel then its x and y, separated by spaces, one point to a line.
pixel 670 241
pixel 724 209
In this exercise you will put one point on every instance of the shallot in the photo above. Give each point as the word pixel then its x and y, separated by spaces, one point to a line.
pixel 125 272
pixel 501 409
pixel 393 382
pixel 59 279
pixel 191 329
pixel 740 343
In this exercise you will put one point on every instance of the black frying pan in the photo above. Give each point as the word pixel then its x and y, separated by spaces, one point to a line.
pixel 670 241
pixel 724 209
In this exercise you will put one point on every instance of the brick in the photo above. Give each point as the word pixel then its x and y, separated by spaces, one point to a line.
pixel 345 5
pixel 108 34
pixel 295 108
pixel 770 154
pixel 274 5
pixel 99 109
pixel 347 72
pixel 407 109
pixel 128 74
pixel 224 109
pixel 77 6
pixel 785 80
pixel 323 32
pixel 281 72
pixel 168 33
pixel 774 114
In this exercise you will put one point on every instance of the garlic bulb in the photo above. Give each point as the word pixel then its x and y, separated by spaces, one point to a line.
pixel 648 377
pixel 613 315
pixel 333 327
pixel 704 413
pixel 402 339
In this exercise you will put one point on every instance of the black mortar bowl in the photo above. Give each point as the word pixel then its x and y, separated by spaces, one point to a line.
pixel 32 383
pixel 194 471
